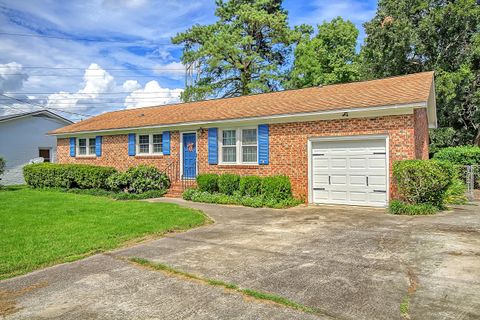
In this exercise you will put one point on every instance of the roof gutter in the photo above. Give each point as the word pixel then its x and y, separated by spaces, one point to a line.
pixel 271 119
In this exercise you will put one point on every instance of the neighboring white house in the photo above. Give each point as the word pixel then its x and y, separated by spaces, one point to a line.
pixel 23 139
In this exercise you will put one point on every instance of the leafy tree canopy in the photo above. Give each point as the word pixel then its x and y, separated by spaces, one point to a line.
pixel 242 53
pixel 328 57
pixel 408 36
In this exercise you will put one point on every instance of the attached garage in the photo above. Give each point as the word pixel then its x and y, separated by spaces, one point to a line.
pixel 349 170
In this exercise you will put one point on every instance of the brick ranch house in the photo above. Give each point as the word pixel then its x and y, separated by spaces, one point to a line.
pixel 337 143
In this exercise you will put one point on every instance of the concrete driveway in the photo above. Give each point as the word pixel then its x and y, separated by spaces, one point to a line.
pixel 347 262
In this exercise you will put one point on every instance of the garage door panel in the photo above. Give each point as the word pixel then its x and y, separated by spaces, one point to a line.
pixel 342 168
pixel 320 162
pixel 338 163
pixel 338 195
pixel 358 196
pixel 320 180
pixel 358 163
pixel 377 181
pixel 320 195
pixel 338 180
pixel 378 197
pixel 377 163
pixel 358 180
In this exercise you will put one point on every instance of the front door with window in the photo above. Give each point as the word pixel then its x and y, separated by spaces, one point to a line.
pixel 189 155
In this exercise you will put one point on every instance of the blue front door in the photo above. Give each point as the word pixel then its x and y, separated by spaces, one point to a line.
pixel 189 155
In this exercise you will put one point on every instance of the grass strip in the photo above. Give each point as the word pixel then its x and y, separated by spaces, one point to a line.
pixel 230 286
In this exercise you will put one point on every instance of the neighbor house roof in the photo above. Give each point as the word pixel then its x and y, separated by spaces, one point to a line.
pixel 394 91
pixel 46 113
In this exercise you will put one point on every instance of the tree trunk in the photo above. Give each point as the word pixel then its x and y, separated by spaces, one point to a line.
pixel 476 141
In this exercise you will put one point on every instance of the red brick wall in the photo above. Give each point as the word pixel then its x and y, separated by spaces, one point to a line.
pixel 115 153
pixel 288 148
pixel 421 133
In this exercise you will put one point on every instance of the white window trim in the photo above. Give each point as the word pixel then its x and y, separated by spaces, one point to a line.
pixel 150 144
pixel 238 145
pixel 88 154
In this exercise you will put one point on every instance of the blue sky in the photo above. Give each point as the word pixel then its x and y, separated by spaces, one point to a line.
pixel 136 66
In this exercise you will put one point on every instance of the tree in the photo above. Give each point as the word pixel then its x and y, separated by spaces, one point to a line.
pixel 408 36
pixel 242 53
pixel 328 57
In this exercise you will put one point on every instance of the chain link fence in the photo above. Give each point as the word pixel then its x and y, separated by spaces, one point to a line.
pixel 471 174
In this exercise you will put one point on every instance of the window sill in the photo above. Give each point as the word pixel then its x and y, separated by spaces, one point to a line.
pixel 149 156
pixel 238 166
pixel 88 156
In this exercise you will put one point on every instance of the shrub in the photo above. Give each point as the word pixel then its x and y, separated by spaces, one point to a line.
pixel 400 207
pixel 463 155
pixel 220 198
pixel 88 176
pixel 276 188
pixel 139 180
pixel 45 175
pixel 119 181
pixel 455 194
pixel 423 181
pixel 208 182
pixel 251 186
pixel 228 183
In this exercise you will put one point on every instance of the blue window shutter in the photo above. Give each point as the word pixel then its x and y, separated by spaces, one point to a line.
pixel 98 146
pixel 263 152
pixel 131 144
pixel 166 143
pixel 212 146
pixel 72 147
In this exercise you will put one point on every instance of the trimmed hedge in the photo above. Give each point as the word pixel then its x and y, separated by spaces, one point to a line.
pixel 276 188
pixel 228 183
pixel 251 186
pixel 236 199
pixel 463 155
pixel 399 207
pixel 424 181
pixel 208 182
pixel 139 180
pixel 82 176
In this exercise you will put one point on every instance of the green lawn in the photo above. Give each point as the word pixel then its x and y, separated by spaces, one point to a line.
pixel 39 228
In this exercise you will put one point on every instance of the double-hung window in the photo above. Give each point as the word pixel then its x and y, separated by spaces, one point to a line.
pixel 149 143
pixel 86 146
pixel 239 146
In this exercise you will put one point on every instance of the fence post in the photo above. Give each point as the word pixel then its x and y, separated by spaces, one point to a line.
pixel 470 182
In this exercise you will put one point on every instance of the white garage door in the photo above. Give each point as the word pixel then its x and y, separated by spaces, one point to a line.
pixel 349 172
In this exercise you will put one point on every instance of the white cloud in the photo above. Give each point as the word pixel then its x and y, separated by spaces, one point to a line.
pixel 131 85
pixel 96 81
pixel 153 94
pixel 175 70
pixel 12 77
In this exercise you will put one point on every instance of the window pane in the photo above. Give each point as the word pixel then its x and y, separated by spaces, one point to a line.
pixel 91 145
pixel 249 136
pixel 157 143
pixel 157 138
pixel 82 146
pixel 249 154
pixel 229 138
pixel 229 154
pixel 144 143
pixel 143 139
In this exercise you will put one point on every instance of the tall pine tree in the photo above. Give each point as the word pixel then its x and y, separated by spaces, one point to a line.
pixel 242 53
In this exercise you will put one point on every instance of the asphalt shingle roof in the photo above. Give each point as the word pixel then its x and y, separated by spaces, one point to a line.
pixel 408 89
